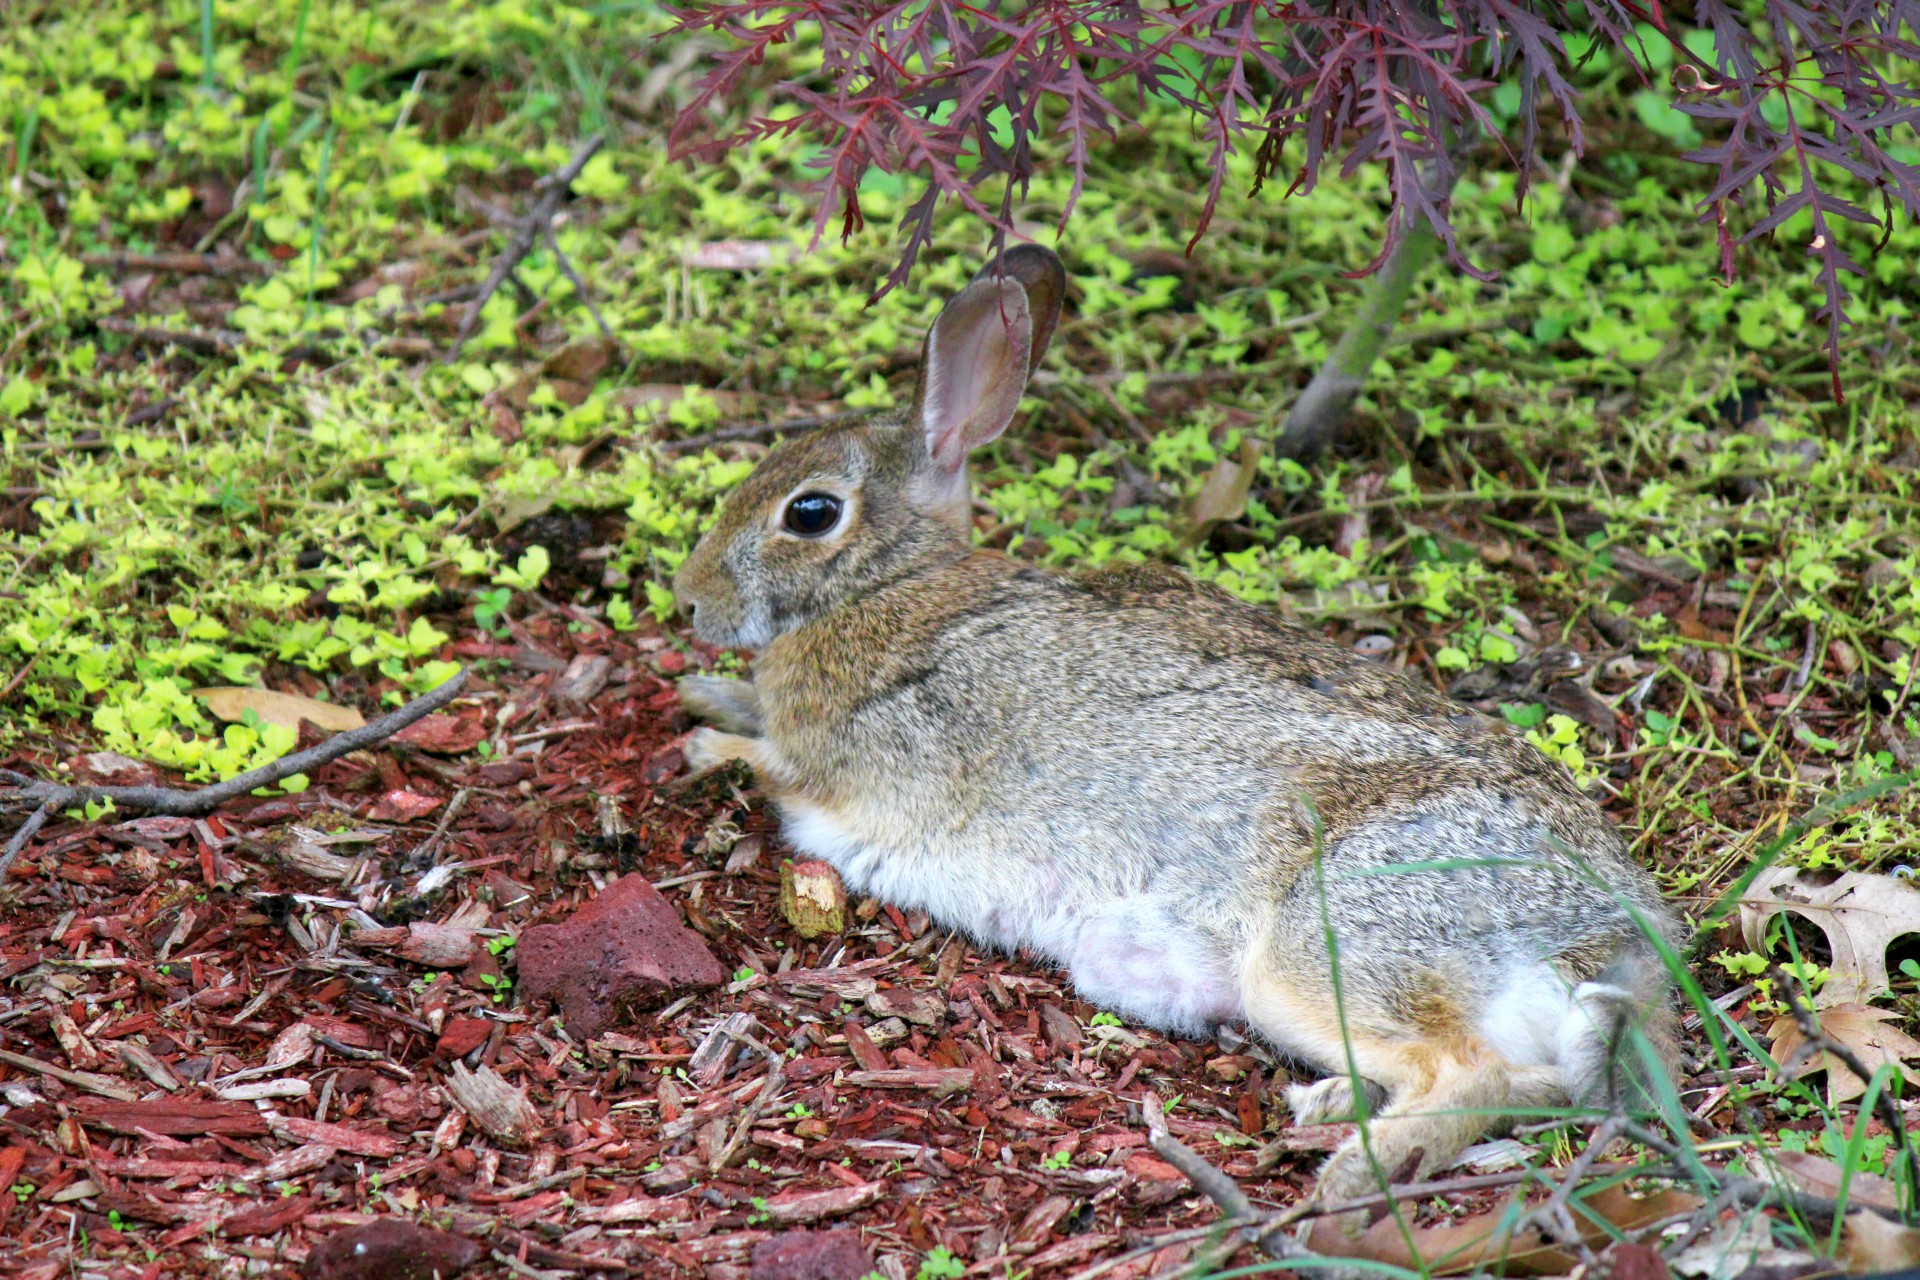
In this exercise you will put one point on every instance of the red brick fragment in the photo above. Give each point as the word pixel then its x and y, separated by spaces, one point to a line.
pixel 626 948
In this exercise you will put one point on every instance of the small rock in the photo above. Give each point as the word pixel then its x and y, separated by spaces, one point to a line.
pixel 401 805
pixel 583 680
pixel 390 1249
pixel 811 1255
pixel 922 1008
pixel 502 773
pixel 812 898
pixel 625 948
pixel 670 662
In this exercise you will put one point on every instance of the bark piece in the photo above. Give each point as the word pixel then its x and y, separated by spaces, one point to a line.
pixel 626 948
pixel 495 1105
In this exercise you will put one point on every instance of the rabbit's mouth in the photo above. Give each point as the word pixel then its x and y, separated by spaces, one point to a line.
pixel 754 631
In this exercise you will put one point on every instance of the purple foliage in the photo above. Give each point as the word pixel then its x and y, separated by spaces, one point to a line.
pixel 1801 93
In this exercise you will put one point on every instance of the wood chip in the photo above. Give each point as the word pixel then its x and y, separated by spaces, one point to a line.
pixel 496 1106
pixel 105 1086
pixel 790 1207
pixel 941 1080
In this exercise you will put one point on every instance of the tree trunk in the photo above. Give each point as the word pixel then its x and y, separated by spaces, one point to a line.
pixel 1321 411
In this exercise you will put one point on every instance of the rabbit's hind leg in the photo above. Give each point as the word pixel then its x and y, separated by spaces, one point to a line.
pixel 1439 1094
pixel 1406 1041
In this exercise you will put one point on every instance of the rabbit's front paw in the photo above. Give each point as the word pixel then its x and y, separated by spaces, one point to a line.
pixel 710 748
pixel 731 705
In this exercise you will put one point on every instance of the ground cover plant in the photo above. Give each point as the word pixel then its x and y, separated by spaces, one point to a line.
pixel 1599 495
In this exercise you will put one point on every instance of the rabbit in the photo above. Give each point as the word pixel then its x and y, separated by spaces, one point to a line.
pixel 1175 795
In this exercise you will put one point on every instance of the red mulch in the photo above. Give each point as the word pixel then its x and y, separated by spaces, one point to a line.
pixel 178 962
pixel 211 1067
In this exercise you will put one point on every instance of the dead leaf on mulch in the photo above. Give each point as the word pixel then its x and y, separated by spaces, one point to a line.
pixel 1861 915
pixel 1818 1176
pixel 1223 494
pixel 233 702
pixel 1870 1243
pixel 1861 1029
pixel 1485 1239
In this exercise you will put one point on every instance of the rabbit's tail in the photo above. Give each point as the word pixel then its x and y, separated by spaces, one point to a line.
pixel 1618 1035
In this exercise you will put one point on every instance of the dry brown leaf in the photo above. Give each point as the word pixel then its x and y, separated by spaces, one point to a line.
pixel 1818 1176
pixel 1863 1030
pixel 1223 495
pixel 1861 915
pixel 1870 1244
pixel 232 702
pixel 1480 1241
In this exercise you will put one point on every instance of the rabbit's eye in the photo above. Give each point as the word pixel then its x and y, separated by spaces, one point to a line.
pixel 812 514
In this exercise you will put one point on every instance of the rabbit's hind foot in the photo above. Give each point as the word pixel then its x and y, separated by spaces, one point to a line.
pixel 1439 1094
pixel 1329 1101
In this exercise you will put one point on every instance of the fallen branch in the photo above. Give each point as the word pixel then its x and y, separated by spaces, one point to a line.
pixel 528 231
pixel 53 796
pixel 1250 1223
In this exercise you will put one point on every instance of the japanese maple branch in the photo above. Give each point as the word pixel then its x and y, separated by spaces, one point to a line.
pixel 51 797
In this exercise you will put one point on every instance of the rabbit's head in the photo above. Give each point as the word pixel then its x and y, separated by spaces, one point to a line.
pixel 829 516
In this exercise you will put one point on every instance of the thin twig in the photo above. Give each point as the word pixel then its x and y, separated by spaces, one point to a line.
pixel 209 342
pixel 198 264
pixel 1555 1217
pixel 579 286
pixel 51 796
pixel 35 820
pixel 553 190
pixel 759 430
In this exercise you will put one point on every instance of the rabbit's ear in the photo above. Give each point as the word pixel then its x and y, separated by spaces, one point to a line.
pixel 1039 272
pixel 975 369
pixel 983 348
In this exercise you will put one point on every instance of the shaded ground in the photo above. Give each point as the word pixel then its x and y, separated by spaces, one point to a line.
pixel 198 953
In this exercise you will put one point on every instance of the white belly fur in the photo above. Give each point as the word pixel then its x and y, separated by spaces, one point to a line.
pixel 1130 955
